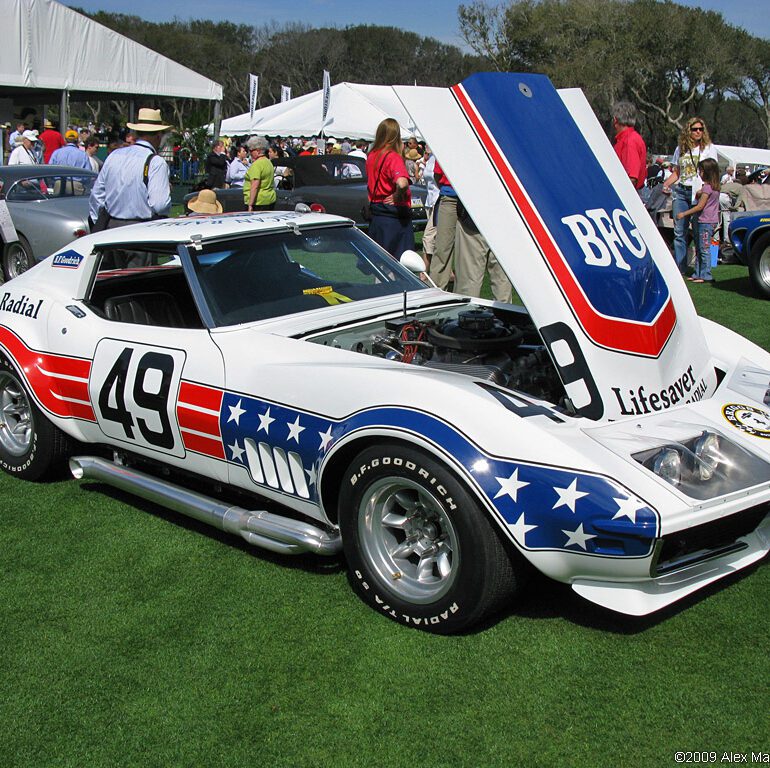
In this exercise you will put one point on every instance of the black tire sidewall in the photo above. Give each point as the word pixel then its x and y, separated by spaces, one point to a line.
pixel 36 461
pixel 463 604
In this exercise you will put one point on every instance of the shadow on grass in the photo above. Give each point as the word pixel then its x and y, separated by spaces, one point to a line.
pixel 737 285
pixel 308 562
pixel 544 598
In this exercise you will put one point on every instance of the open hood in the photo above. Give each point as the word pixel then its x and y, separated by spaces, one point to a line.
pixel 535 170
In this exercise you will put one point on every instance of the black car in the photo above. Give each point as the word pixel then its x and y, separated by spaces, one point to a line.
pixel 327 183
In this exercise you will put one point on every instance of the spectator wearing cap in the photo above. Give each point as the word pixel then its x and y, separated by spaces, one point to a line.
pixel 23 154
pixel 52 140
pixel 133 184
pixel 71 154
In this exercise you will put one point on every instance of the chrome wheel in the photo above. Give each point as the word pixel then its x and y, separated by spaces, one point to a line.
pixel 408 539
pixel 17 259
pixel 15 416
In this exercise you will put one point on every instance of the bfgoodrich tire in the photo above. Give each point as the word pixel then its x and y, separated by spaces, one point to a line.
pixel 30 446
pixel 759 266
pixel 419 548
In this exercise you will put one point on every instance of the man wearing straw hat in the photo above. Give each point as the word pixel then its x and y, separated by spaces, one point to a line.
pixel 133 184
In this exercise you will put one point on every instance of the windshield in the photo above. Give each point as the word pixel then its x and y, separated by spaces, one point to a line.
pixel 52 187
pixel 281 273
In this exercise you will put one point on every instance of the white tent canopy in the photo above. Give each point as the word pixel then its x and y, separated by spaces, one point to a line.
pixel 355 111
pixel 744 156
pixel 49 46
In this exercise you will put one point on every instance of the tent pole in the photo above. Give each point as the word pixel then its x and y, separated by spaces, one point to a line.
pixel 217 119
pixel 64 112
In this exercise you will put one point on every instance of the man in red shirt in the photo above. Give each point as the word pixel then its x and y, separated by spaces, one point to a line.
pixel 52 140
pixel 629 145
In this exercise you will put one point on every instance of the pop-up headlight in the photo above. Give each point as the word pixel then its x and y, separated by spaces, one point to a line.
pixel 705 466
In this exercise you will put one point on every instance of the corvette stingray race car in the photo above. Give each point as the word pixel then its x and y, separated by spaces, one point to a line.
pixel 280 376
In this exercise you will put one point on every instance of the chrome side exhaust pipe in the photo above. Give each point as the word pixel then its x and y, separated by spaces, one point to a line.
pixel 260 528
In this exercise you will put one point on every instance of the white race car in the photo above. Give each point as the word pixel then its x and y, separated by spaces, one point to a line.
pixel 219 365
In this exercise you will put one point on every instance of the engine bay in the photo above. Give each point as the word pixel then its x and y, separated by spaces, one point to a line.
pixel 495 345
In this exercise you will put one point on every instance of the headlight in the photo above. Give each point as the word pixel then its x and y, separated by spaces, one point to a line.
pixel 705 466
pixel 707 455
pixel 668 464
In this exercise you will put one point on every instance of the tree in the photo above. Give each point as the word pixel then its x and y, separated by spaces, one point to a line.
pixel 670 60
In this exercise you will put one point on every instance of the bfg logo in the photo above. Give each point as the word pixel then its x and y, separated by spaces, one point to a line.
pixel 604 238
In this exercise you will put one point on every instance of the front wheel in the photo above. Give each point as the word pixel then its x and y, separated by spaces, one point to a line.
pixel 30 446
pixel 759 266
pixel 419 548
pixel 17 258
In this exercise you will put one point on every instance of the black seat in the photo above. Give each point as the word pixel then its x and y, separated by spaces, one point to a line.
pixel 157 308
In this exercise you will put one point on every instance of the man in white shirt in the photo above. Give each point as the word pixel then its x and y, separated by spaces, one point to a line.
pixel 133 184
pixel 23 154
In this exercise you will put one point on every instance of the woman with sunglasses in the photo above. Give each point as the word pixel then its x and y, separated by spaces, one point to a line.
pixel 685 183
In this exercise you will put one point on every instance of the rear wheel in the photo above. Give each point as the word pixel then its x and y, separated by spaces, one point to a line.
pixel 17 258
pixel 30 446
pixel 759 266
pixel 419 548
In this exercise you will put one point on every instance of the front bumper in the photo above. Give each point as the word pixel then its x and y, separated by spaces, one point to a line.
pixel 691 560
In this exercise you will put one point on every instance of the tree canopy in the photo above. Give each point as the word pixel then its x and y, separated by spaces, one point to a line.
pixel 672 61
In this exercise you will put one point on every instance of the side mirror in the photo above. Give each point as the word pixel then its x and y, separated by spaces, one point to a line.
pixel 414 263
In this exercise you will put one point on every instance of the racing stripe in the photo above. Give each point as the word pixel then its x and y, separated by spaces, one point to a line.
pixel 198 412
pixel 59 383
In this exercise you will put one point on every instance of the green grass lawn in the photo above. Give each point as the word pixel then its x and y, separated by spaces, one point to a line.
pixel 134 637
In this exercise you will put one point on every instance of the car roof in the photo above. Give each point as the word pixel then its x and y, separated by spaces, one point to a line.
pixel 181 230
pixel 11 173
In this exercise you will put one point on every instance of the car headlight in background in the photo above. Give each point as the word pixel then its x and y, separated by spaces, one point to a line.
pixel 705 466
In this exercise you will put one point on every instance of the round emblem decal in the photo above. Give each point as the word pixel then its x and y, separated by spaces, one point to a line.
pixel 748 419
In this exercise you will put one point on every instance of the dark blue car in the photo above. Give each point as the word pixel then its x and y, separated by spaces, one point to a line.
pixel 750 236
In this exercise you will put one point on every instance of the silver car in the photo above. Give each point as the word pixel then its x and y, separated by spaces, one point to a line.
pixel 49 208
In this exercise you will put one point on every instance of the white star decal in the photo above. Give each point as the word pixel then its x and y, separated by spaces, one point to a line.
pixel 294 430
pixel 235 413
pixel 509 486
pixel 326 438
pixel 627 508
pixel 237 451
pixel 577 537
pixel 520 528
pixel 312 475
pixel 265 421
pixel 568 496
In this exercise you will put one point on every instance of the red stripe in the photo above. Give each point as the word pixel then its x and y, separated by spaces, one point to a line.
pixel 206 445
pixel 612 333
pixel 203 397
pixel 200 422
pixel 65 366
pixel 45 387
pixel 73 390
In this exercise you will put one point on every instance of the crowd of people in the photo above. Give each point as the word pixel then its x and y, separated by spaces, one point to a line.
pixel 133 185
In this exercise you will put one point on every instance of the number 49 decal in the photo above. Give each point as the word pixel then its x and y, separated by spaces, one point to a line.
pixel 134 388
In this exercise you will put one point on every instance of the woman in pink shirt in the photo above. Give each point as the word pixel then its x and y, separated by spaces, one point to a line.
pixel 388 186
pixel 707 211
